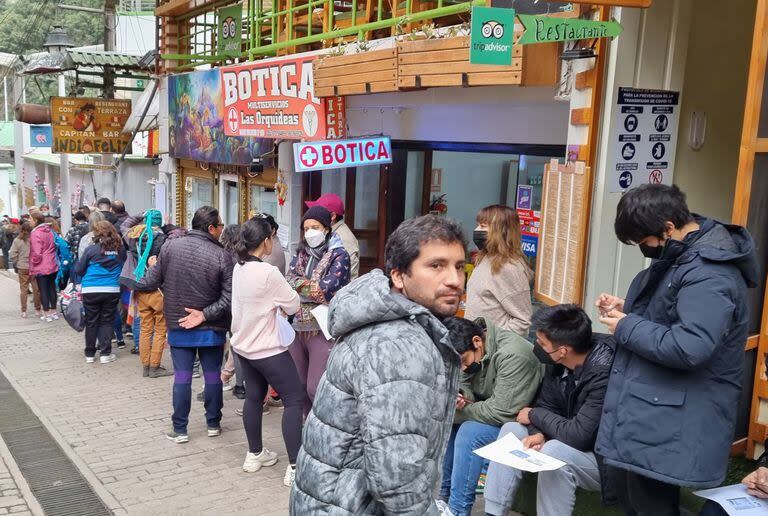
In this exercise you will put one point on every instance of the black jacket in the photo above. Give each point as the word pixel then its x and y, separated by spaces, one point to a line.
pixel 193 271
pixel 568 407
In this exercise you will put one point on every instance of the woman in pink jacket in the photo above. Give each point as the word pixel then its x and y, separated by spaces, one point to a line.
pixel 42 264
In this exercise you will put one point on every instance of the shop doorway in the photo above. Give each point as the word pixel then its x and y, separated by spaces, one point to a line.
pixel 229 198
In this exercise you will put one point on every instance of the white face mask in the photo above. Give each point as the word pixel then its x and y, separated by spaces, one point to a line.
pixel 314 237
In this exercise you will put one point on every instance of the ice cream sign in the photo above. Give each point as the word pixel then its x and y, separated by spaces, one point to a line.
pixel 273 98
pixel 342 153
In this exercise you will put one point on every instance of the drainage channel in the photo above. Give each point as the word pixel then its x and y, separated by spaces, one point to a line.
pixel 54 480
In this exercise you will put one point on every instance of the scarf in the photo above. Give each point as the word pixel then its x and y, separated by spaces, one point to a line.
pixel 152 219
pixel 315 255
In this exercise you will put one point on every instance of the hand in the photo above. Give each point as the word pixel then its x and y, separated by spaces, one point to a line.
pixel 523 416
pixel 611 320
pixel 606 303
pixel 461 402
pixel 534 442
pixel 152 261
pixel 195 318
pixel 757 483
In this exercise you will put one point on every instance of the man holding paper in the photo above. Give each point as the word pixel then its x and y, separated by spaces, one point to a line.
pixel 565 416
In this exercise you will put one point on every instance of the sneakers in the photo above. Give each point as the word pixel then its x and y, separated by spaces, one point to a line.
pixel 47 318
pixel 214 432
pixel 54 316
pixel 106 359
pixel 239 392
pixel 177 437
pixel 120 344
pixel 290 476
pixel 159 372
pixel 254 462
pixel 90 360
pixel 134 351
pixel 274 401
pixel 145 372
pixel 443 509
pixel 265 409
pixel 23 315
pixel 227 386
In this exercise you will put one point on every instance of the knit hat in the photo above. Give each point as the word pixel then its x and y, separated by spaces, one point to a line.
pixel 319 214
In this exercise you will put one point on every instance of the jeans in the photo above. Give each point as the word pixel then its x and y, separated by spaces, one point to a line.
pixel 47 285
pixel 643 496
pixel 555 491
pixel 183 359
pixel 280 371
pixel 117 323
pixel 310 353
pixel 100 310
pixel 461 467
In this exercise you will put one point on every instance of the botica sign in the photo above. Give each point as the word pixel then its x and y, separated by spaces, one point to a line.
pixel 333 154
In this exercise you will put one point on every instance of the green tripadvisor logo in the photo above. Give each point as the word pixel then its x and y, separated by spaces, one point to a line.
pixel 491 36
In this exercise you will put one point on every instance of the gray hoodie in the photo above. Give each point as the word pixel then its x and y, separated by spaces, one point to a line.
pixel 374 440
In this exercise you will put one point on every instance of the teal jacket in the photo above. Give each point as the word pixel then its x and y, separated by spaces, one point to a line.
pixel 507 382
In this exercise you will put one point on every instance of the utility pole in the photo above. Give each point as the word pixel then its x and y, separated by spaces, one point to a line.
pixel 109 178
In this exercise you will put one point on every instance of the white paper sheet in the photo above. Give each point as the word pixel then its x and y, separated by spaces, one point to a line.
pixel 735 500
pixel 320 313
pixel 509 451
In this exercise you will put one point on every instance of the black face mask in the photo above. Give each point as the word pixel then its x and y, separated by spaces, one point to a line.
pixel 654 253
pixel 473 368
pixel 480 238
pixel 544 357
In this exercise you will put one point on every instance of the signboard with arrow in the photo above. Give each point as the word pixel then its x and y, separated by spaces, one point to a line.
pixel 544 29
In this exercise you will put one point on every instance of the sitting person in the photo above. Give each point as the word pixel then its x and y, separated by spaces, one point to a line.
pixel 565 416
pixel 500 376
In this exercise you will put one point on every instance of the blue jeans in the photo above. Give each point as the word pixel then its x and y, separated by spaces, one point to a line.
pixel 117 326
pixel 136 329
pixel 183 358
pixel 462 467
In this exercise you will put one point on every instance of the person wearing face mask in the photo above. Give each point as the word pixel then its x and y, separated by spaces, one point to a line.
pixel 670 408
pixel 319 269
pixel 564 417
pixel 499 289
pixel 500 376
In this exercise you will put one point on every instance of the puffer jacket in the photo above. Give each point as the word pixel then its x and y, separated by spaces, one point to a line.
pixel 670 408
pixel 42 251
pixel 383 411
pixel 193 271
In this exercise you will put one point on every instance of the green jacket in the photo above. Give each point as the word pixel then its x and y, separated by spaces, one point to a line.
pixel 507 382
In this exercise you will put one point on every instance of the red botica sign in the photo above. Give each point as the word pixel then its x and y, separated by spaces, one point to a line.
pixel 273 98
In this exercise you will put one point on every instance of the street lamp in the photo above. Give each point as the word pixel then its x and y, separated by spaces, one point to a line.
pixel 57 40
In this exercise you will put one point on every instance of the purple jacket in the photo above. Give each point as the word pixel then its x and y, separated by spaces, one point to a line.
pixel 42 251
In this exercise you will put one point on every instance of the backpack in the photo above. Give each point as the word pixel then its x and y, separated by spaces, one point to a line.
pixel 63 260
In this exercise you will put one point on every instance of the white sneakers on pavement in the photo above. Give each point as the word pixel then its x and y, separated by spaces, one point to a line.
pixel 443 509
pixel 90 360
pixel 254 462
pixel 106 359
pixel 290 476
pixel 177 437
pixel 214 432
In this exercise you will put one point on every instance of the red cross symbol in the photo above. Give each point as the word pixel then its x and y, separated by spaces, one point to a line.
pixel 233 120
pixel 655 177
pixel 309 157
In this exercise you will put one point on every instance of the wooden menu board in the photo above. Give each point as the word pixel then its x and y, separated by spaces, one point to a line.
pixel 565 205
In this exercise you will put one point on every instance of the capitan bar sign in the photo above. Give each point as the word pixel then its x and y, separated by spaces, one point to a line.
pixel 332 154
pixel 273 98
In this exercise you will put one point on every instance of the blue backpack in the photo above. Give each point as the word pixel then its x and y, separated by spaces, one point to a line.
pixel 63 260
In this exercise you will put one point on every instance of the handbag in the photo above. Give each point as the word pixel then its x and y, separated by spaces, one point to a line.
pixel 285 332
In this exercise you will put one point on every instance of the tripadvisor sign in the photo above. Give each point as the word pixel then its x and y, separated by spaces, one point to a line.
pixel 493 31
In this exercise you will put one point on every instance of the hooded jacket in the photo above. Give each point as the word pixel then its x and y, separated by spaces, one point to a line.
pixel 42 251
pixel 383 411
pixel 670 408
pixel 509 377
pixel 131 230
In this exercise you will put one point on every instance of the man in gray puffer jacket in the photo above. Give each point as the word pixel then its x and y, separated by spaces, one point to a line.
pixel 384 408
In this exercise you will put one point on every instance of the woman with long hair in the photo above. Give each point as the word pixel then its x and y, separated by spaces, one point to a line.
pixel 94 217
pixel 319 269
pixel 499 289
pixel 260 296
pixel 20 256
pixel 99 267
pixel 42 264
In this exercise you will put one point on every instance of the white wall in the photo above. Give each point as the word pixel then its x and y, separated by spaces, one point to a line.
pixel 132 187
pixel 650 53
pixel 493 114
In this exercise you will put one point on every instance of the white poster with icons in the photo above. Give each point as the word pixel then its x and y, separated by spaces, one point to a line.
pixel 644 138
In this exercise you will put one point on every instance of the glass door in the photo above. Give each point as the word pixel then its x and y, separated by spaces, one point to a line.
pixel 229 198
pixel 199 193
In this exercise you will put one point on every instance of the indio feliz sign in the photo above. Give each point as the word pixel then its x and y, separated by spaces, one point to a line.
pixel 89 125
pixel 273 98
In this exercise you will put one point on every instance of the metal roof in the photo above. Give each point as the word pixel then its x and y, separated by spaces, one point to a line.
pixel 103 58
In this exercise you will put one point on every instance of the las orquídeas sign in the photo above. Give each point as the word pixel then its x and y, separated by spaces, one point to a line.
pixel 273 98
pixel 89 125
pixel 342 153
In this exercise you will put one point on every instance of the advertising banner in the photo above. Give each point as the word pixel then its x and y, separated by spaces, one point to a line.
pixel 273 98
pixel 491 36
pixel 530 225
pixel 196 120
pixel 89 125
pixel 335 117
pixel 230 31
pixel 40 136
pixel 342 153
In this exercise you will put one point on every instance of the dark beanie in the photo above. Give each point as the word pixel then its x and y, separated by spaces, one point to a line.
pixel 319 214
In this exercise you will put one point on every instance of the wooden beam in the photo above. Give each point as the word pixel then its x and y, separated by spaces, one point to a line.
pixel 585 80
pixel 581 116
pixel 739 448
pixel 541 64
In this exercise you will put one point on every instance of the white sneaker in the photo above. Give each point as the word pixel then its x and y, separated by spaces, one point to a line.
pixel 90 360
pixel 443 509
pixel 254 463
pixel 290 476
pixel 105 359
pixel 214 432
pixel 227 386
pixel 55 316
pixel 47 318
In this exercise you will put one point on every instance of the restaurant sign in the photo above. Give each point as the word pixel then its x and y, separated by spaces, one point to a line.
pixel 89 125
pixel 342 153
pixel 273 98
